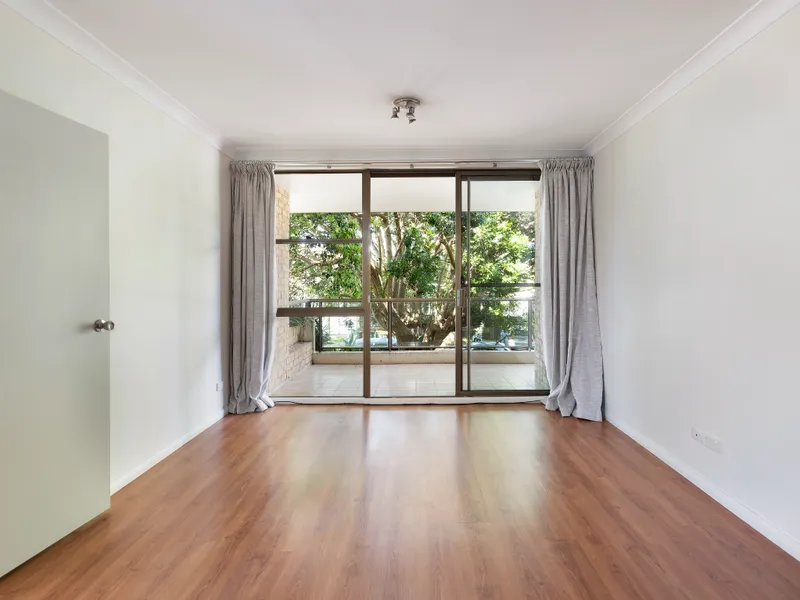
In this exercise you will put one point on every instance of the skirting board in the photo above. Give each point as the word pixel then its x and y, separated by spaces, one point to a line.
pixel 399 400
pixel 776 535
pixel 121 482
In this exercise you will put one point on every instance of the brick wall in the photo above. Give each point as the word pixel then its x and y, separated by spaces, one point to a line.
pixel 294 348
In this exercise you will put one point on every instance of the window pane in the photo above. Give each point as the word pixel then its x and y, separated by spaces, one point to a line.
pixel 500 241
pixel 503 195
pixel 502 248
pixel 413 325
pixel 318 357
pixel 322 193
pixel 318 207
pixel 412 355
pixel 505 346
pixel 498 325
pixel 324 225
pixel 322 271
pixel 340 334
pixel 502 339
pixel 413 254
pixel 413 194
pixel 413 237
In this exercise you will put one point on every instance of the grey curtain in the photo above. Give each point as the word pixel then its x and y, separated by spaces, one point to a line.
pixel 253 285
pixel 570 326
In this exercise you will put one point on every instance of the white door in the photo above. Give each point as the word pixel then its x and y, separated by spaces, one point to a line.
pixel 54 368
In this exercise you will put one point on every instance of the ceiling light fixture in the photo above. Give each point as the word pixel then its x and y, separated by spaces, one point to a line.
pixel 407 104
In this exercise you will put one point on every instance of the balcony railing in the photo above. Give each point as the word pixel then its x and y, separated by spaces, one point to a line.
pixel 343 334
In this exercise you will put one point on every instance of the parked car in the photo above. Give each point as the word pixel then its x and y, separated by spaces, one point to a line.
pixel 379 340
pixel 505 343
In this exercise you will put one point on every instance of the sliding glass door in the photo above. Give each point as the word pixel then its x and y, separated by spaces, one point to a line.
pixel 399 284
pixel 499 303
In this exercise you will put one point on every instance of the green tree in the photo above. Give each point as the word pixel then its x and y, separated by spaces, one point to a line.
pixel 324 270
pixel 413 256
pixel 502 249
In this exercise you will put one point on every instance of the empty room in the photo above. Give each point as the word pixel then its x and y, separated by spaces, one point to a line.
pixel 412 301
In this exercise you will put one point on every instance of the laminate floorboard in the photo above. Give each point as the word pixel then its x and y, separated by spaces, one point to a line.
pixel 417 503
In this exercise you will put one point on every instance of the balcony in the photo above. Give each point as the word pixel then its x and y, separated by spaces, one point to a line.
pixel 412 352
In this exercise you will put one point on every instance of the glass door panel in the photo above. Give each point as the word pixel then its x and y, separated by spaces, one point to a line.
pixel 318 357
pixel 412 292
pixel 499 325
pixel 319 259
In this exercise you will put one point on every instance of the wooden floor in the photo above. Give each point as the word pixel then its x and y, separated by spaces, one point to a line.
pixel 426 502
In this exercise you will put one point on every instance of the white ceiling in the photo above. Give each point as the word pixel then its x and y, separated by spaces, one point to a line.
pixel 310 193
pixel 506 79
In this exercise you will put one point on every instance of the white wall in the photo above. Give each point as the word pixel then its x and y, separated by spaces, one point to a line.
pixel 698 261
pixel 168 189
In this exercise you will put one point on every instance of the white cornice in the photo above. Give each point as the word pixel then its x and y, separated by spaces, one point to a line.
pixel 461 153
pixel 746 27
pixel 48 18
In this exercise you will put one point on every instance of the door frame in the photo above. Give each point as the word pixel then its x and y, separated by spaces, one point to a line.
pixel 494 174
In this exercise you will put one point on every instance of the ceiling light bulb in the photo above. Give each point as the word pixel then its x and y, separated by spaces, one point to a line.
pixel 395 110
pixel 410 114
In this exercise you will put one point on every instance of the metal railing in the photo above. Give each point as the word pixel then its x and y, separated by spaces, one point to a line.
pixel 391 345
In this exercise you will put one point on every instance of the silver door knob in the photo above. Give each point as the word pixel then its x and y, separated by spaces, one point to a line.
pixel 102 325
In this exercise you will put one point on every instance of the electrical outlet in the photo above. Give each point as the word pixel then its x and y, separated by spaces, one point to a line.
pixel 219 386
pixel 712 443
pixel 697 435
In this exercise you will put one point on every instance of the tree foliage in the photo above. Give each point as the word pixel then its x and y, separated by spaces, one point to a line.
pixel 413 255
pixel 324 270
